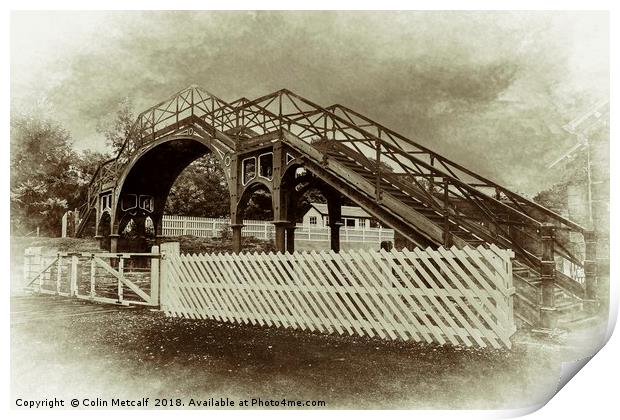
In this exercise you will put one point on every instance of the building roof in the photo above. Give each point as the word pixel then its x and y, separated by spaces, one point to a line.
pixel 347 211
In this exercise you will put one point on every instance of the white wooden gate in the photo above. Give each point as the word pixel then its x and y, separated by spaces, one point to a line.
pixel 446 296
pixel 120 278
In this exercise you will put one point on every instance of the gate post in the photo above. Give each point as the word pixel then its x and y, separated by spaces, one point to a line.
pixel 166 250
pixel 58 273
pixel 547 270
pixel 447 235
pixel 154 277
pixel 119 285
pixel 93 270
pixel 74 274
pixel 334 235
pixel 334 211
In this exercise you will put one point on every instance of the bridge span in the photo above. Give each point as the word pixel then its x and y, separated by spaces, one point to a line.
pixel 286 144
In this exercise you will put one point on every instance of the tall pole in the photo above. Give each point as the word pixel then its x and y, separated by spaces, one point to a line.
pixel 548 314
pixel 589 174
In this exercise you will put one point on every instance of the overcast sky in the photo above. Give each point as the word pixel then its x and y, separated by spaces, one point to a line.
pixel 490 90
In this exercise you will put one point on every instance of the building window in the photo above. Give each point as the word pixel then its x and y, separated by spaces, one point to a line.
pixel 313 220
pixel 349 222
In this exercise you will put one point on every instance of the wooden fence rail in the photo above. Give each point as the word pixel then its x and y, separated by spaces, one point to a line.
pixel 456 296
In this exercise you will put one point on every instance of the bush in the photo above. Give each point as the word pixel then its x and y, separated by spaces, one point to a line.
pixel 195 245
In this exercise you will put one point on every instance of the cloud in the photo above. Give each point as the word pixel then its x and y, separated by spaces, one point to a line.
pixel 464 83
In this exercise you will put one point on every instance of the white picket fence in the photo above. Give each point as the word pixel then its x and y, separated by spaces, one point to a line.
pixel 445 296
pixel 455 296
pixel 210 227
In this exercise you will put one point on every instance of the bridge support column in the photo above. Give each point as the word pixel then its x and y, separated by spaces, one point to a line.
pixel 281 227
pixel 334 210
pixel 548 316
pixel 280 200
pixel 236 237
pixel 334 235
pixel 114 242
pixel 447 235
pixel 159 230
pixel 290 238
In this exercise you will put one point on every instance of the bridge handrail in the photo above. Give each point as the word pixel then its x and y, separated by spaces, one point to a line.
pixel 390 147
pixel 485 182
pixel 451 176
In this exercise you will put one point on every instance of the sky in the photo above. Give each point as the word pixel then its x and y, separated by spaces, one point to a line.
pixel 490 90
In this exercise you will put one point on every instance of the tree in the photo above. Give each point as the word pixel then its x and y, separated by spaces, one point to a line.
pixel 200 190
pixel 259 206
pixel 574 172
pixel 117 129
pixel 86 163
pixel 45 180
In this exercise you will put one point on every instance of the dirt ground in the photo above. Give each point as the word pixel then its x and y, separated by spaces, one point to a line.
pixel 74 349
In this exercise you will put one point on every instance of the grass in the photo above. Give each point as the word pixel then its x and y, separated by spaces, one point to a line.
pixel 130 353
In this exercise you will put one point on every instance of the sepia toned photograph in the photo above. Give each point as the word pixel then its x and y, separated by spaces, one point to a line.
pixel 307 210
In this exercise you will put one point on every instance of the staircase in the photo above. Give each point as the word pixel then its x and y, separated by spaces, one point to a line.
pixel 568 294
pixel 427 198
